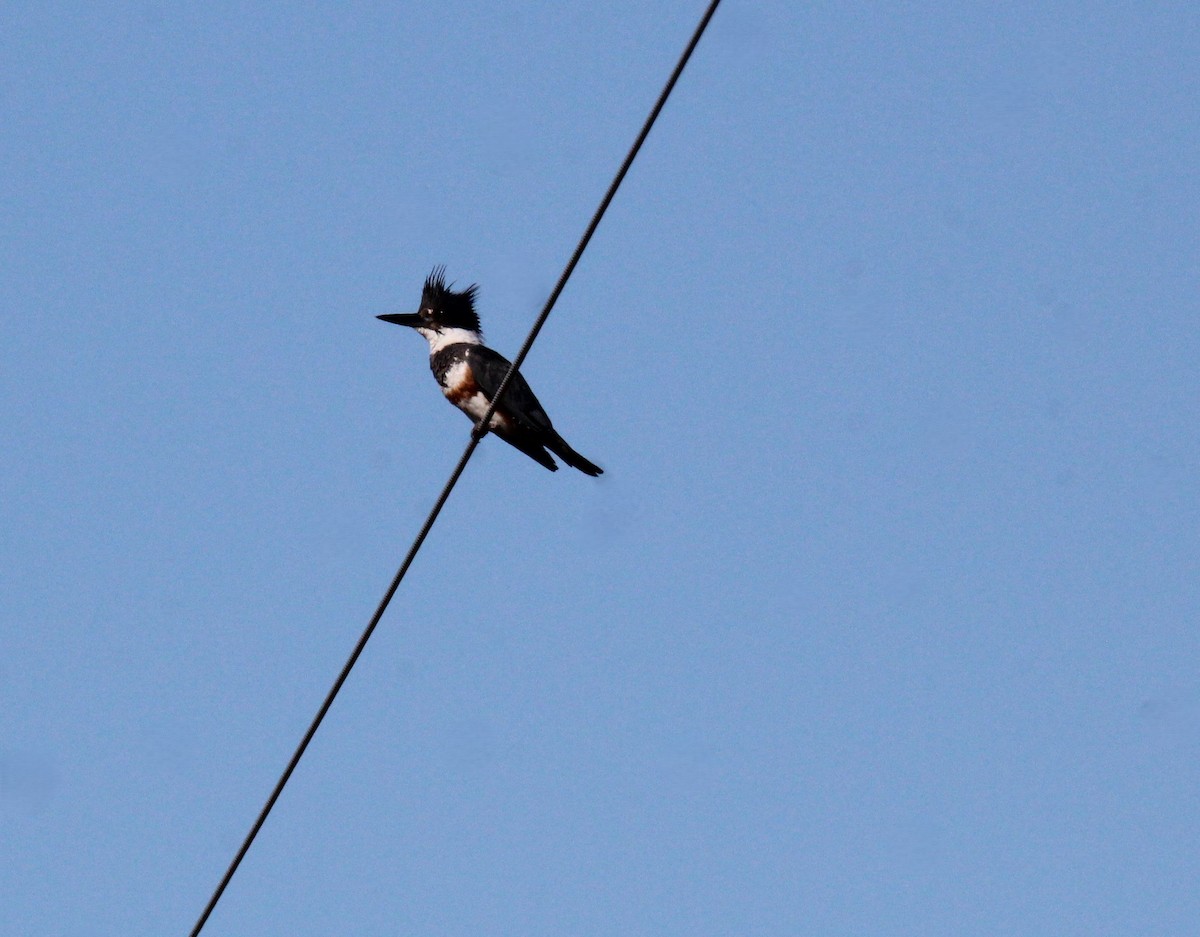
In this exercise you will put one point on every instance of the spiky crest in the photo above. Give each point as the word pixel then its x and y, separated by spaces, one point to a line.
pixel 451 309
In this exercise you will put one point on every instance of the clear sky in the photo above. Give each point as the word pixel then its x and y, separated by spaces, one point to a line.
pixel 883 618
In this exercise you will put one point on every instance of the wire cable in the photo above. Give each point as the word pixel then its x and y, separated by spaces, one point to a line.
pixel 476 437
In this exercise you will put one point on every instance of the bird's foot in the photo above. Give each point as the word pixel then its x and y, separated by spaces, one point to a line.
pixel 478 431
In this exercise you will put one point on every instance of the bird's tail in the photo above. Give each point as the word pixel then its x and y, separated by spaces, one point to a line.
pixel 559 447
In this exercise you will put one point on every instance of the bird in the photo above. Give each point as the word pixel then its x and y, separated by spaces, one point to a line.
pixel 470 373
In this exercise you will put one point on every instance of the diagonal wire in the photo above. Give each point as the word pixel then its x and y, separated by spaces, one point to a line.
pixel 608 197
pixel 457 473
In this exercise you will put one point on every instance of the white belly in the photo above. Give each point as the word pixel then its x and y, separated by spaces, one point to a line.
pixel 462 391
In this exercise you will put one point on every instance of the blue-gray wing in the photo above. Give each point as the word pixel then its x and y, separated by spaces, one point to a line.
pixel 488 368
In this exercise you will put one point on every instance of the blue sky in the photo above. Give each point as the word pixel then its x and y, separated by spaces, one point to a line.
pixel 882 619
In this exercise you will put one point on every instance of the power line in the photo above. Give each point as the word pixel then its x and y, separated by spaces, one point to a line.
pixel 476 437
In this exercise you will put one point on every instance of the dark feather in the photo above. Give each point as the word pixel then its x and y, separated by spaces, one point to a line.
pixel 519 403
pixel 451 309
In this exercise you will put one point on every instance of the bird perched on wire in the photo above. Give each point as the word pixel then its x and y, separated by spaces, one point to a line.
pixel 470 373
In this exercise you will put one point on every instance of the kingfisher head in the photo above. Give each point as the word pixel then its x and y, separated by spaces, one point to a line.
pixel 446 316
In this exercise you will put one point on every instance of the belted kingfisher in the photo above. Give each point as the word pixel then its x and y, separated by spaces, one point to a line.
pixel 470 373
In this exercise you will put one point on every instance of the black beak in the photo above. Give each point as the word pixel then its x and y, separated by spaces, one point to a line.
pixel 411 319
